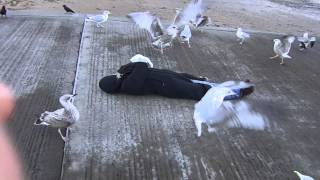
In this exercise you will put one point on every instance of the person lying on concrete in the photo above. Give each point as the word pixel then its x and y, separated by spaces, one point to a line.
pixel 139 78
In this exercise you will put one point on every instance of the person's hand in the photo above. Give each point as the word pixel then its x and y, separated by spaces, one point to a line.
pixel 7 102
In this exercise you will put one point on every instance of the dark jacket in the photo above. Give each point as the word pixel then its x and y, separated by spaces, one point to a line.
pixel 138 79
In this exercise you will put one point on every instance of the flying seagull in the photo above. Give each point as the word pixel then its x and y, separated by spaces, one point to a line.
pixel 208 108
pixel 161 37
pixel 193 13
pixel 185 34
pixel 61 118
pixel 99 19
pixel 282 47
pixel 3 11
pixel 303 177
pixel 242 35
pixel 305 41
pixel 67 9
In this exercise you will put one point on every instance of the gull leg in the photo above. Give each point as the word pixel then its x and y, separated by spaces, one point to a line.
pixel 64 138
pixel 189 43
pixel 241 42
pixel 282 61
pixel 161 47
pixel 273 57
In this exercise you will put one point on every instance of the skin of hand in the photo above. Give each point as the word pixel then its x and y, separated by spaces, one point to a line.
pixel 10 166
pixel 7 102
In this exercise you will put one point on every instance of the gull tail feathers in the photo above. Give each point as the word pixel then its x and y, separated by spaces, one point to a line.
pixel 286 56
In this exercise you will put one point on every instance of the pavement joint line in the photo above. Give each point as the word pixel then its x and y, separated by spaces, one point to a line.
pixel 73 92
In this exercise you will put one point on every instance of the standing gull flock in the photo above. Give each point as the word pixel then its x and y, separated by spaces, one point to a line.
pixel 242 35
pixel 282 47
pixel 61 118
pixel 99 19
pixel 161 37
pixel 305 41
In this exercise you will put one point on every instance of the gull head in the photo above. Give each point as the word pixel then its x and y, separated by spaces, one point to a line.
pixel 67 98
pixel 276 41
pixel 306 35
pixel 172 30
pixel 106 12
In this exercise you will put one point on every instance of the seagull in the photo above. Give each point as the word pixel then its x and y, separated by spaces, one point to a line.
pixel 3 11
pixel 161 37
pixel 242 35
pixel 67 9
pixel 193 13
pixel 282 48
pixel 61 118
pixel 303 177
pixel 212 99
pixel 99 19
pixel 185 35
pixel 305 41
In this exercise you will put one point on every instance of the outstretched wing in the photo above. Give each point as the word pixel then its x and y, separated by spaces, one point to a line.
pixel 191 13
pixel 146 21
pixel 286 44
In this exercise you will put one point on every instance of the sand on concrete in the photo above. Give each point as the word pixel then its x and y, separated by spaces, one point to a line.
pixel 282 16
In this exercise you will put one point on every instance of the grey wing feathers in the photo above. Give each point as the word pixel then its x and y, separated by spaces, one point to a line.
pixel 286 43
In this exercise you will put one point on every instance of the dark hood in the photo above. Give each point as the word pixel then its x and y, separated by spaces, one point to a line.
pixel 110 84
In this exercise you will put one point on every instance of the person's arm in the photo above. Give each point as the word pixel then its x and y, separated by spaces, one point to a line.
pixel 133 83
pixel 192 77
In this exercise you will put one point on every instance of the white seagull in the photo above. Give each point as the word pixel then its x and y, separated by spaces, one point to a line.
pixel 161 37
pixel 282 48
pixel 193 13
pixel 242 35
pixel 212 99
pixel 305 41
pixel 61 118
pixel 99 19
pixel 303 177
pixel 185 34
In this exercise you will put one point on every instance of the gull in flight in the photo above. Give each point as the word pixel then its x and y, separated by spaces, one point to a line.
pixel 213 99
pixel 282 47
pixel 305 41
pixel 61 118
pixel 67 9
pixel 193 13
pixel 242 35
pixel 303 177
pixel 161 37
pixel 99 19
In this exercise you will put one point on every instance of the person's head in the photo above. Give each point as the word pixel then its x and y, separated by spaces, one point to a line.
pixel 110 84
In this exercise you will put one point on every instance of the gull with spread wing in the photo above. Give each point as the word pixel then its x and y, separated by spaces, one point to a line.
pixel 305 41
pixel 282 47
pixel 161 37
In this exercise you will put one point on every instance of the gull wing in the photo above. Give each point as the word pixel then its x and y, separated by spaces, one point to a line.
pixel 286 44
pixel 97 18
pixel 191 13
pixel 146 21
